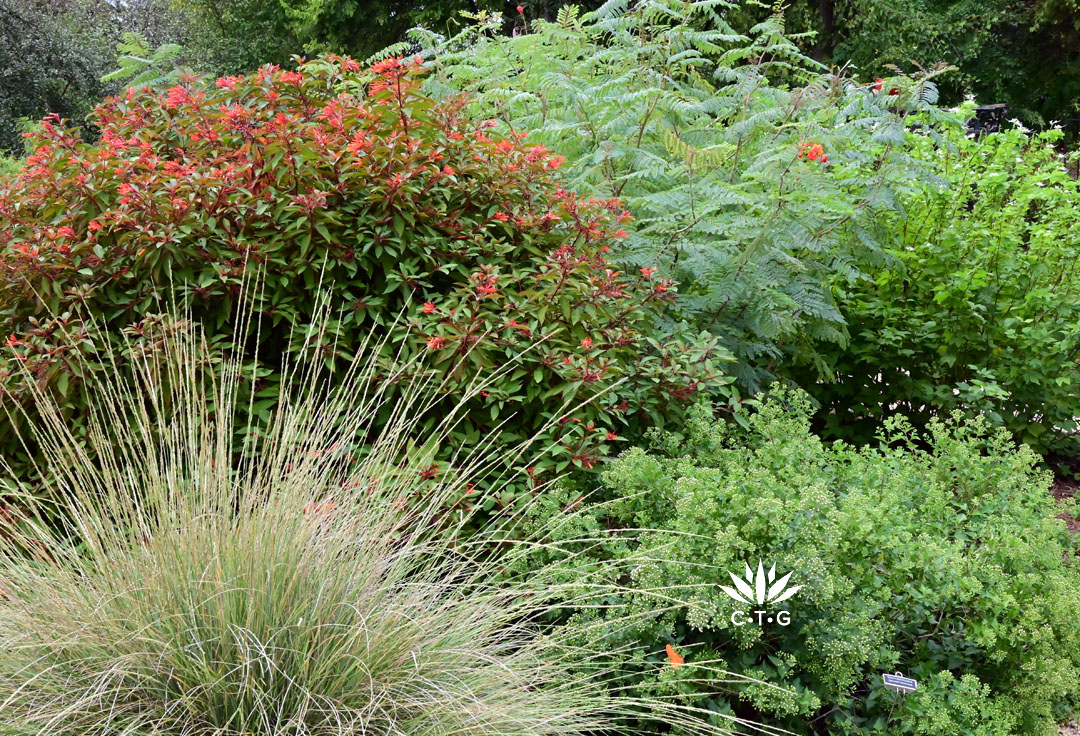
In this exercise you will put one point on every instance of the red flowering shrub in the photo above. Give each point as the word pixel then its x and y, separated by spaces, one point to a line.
pixel 355 180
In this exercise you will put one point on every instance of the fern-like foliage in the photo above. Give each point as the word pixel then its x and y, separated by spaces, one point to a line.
pixel 697 127
pixel 141 67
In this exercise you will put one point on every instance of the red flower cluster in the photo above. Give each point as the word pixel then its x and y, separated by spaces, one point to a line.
pixel 484 284
pixel 813 152
pixel 392 71
pixel 176 96
pixel 396 195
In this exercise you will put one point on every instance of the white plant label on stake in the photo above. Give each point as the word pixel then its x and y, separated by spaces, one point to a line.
pixel 900 684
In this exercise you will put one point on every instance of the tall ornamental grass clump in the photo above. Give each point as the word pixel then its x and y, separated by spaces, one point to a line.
pixel 312 584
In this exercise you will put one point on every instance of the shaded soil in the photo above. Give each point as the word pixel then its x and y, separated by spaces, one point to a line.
pixel 1062 490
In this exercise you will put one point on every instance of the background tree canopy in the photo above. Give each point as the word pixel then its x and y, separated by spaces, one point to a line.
pixel 54 52
pixel 1022 52
pixel 232 37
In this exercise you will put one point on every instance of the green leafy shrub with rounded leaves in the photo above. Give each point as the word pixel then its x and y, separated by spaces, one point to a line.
pixel 255 190
pixel 946 564
pixel 978 307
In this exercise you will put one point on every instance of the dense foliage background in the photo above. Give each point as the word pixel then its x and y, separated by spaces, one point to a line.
pixel 756 176
pixel 747 274
pixel 1024 53
pixel 977 306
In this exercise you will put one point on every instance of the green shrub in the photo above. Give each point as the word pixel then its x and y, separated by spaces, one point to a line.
pixel 946 564
pixel 708 133
pixel 297 588
pixel 979 306
pixel 253 191
pixel 9 165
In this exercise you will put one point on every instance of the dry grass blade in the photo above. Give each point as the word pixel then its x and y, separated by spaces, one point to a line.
pixel 305 585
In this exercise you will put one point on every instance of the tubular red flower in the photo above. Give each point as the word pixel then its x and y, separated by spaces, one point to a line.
pixel 176 96
pixel 386 65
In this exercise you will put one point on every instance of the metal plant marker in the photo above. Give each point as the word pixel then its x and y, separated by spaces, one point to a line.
pixel 899 684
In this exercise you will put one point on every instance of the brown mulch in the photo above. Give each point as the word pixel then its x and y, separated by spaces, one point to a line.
pixel 1063 489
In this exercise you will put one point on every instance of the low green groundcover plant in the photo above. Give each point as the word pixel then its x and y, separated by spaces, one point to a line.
pixel 422 221
pixel 946 564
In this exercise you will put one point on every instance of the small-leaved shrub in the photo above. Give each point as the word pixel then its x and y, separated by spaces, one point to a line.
pixel 946 564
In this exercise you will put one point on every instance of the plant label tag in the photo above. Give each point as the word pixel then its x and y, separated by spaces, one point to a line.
pixel 900 684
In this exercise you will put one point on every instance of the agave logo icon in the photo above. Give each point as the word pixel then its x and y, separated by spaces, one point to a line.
pixel 760 590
